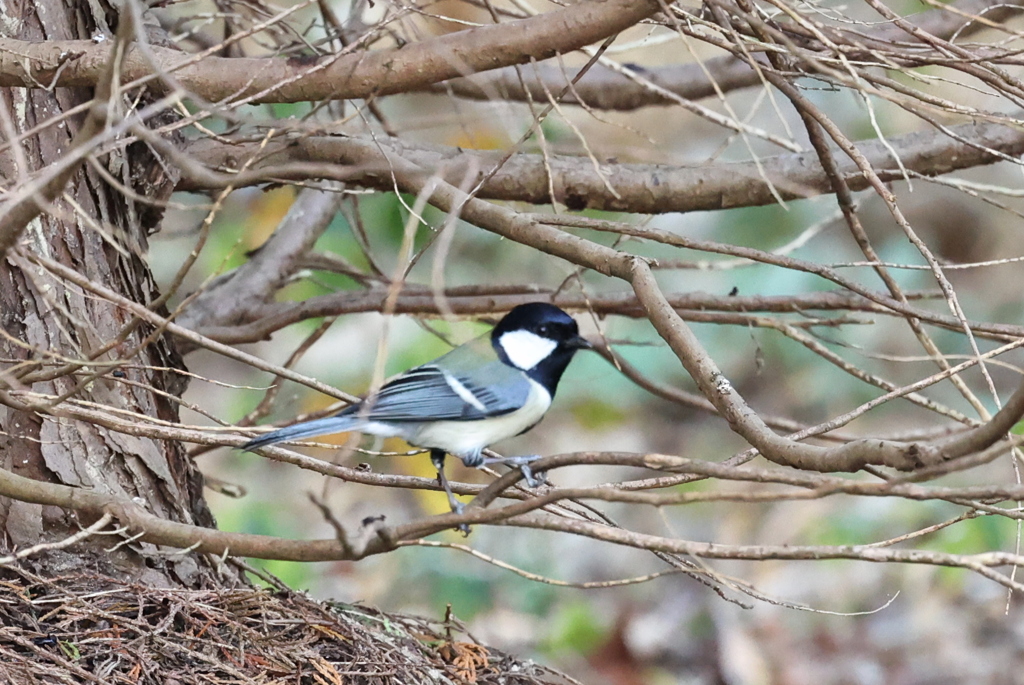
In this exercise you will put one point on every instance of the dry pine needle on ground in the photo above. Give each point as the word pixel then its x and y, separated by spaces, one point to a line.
pixel 85 628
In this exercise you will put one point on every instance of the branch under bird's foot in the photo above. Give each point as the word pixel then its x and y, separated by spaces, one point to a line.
pixel 457 508
pixel 523 464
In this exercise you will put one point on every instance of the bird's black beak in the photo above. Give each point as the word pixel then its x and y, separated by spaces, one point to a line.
pixel 579 343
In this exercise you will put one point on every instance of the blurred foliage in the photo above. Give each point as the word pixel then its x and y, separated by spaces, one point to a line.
pixel 597 408
pixel 575 627
pixel 676 622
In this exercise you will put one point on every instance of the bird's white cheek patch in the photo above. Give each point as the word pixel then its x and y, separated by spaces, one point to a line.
pixel 526 349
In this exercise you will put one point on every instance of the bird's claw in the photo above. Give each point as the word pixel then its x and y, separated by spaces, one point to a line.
pixel 457 508
pixel 523 463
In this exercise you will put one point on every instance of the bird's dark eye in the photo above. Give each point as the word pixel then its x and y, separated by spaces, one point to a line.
pixel 544 329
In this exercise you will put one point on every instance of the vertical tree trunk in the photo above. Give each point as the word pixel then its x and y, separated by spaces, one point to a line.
pixel 97 231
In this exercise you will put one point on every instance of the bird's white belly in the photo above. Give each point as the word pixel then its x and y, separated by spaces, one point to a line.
pixel 465 438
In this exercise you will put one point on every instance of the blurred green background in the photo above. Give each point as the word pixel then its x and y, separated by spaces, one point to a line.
pixel 873 623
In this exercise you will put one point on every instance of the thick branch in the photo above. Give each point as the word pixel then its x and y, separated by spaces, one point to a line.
pixel 638 188
pixel 374 540
pixel 604 88
pixel 357 75
pixel 159 531
pixel 240 294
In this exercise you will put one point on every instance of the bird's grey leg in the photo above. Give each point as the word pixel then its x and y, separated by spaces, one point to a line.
pixel 523 464
pixel 437 459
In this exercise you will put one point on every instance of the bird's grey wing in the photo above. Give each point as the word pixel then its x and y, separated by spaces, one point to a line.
pixel 432 393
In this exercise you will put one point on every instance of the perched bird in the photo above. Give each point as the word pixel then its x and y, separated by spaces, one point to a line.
pixel 491 388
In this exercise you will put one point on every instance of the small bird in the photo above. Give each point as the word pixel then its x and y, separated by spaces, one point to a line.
pixel 491 388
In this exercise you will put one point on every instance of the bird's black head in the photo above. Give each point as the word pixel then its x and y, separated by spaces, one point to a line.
pixel 540 339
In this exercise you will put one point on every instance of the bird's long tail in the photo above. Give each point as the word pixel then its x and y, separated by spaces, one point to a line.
pixel 306 429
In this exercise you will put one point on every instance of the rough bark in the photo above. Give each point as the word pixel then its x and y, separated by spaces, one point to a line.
pixel 99 232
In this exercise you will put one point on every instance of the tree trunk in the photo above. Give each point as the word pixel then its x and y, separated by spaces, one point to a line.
pixel 99 232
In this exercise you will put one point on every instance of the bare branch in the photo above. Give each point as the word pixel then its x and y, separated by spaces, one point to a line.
pixel 341 77
pixel 606 89
pixel 239 295
pixel 639 188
